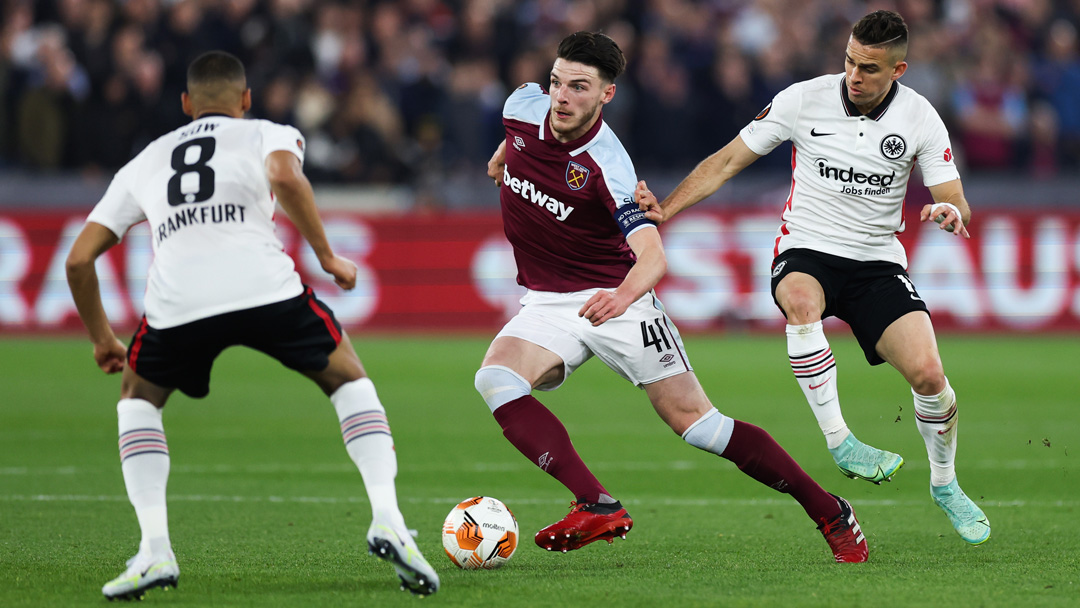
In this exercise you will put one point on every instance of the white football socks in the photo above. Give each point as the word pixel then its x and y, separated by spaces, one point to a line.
pixel 814 367
pixel 144 460
pixel 368 441
pixel 936 417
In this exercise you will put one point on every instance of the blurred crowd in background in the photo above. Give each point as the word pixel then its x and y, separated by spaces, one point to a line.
pixel 410 92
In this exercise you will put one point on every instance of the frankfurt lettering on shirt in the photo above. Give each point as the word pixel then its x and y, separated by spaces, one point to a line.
pixel 216 251
pixel 198 127
pixel 206 214
pixel 527 190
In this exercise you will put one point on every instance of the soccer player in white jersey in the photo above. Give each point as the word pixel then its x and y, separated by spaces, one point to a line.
pixel 220 277
pixel 590 259
pixel 856 137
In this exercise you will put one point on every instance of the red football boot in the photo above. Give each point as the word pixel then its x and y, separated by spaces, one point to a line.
pixel 844 535
pixel 586 522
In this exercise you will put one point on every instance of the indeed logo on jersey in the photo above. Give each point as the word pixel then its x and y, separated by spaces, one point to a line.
pixel 851 176
pixel 527 190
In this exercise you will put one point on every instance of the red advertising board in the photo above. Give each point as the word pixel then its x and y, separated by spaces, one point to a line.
pixel 1019 272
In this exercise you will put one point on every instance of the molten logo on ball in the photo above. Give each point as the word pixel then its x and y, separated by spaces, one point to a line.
pixel 480 533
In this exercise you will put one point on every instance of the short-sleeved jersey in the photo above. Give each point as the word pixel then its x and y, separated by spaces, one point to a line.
pixel 204 192
pixel 567 207
pixel 849 171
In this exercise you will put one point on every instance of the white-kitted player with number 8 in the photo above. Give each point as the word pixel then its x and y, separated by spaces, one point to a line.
pixel 220 277
pixel 856 138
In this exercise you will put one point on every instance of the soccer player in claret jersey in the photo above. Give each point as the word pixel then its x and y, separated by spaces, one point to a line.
pixel 590 259
pixel 856 137
pixel 220 278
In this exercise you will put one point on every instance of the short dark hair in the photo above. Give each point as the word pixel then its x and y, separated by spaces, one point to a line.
pixel 215 66
pixel 596 50
pixel 884 29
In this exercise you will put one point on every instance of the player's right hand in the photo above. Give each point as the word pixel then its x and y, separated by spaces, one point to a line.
pixel 110 356
pixel 497 164
pixel 647 202
pixel 343 270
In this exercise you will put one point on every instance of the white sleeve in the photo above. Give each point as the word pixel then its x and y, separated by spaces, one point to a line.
pixel 934 152
pixel 118 210
pixel 282 137
pixel 775 124
pixel 528 103
pixel 617 169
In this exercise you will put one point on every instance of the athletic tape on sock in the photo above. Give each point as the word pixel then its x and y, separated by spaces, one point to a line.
pixel 711 432
pixel 499 385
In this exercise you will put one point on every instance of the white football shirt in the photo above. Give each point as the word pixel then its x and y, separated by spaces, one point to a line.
pixel 849 172
pixel 203 189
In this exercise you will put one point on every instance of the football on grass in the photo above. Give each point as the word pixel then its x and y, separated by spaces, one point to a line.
pixel 480 533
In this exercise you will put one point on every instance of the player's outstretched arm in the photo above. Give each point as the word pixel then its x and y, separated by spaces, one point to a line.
pixel 294 193
pixel 646 273
pixel 950 209
pixel 94 240
pixel 497 163
pixel 706 178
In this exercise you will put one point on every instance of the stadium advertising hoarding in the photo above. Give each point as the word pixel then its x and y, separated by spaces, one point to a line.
pixel 435 271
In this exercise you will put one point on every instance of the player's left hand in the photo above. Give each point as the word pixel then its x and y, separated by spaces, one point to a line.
pixel 947 217
pixel 647 202
pixel 110 356
pixel 603 305
pixel 343 271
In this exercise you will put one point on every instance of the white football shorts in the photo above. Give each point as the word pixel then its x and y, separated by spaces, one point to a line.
pixel 641 345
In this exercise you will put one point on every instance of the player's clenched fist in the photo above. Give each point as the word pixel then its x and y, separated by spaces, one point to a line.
pixel 110 356
pixel 343 271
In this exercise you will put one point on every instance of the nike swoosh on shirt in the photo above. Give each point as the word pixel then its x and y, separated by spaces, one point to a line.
pixel 814 133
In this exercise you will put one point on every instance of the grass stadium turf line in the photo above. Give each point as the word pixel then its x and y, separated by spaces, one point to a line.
pixel 266 509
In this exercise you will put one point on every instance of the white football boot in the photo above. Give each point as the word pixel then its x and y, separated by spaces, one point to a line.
pixel 144 571
pixel 395 544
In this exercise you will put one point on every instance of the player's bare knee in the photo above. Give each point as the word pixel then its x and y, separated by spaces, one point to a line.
pixel 801 307
pixel 928 378
pixel 499 385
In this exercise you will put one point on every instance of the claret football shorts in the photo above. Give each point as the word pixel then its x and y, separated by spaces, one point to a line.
pixel 641 345
pixel 868 296
pixel 300 332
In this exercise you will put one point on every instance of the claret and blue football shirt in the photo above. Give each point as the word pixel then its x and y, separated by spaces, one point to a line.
pixel 567 207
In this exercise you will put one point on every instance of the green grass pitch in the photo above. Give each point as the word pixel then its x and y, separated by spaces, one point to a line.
pixel 267 510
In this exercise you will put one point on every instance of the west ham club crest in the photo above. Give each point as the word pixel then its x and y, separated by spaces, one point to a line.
pixel 576 175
